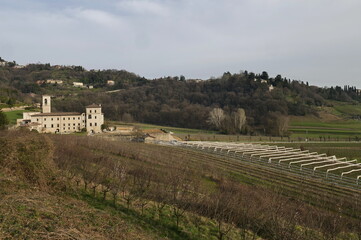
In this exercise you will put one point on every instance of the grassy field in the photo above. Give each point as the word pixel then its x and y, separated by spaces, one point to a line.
pixel 348 109
pixel 308 127
pixel 14 115
pixel 334 123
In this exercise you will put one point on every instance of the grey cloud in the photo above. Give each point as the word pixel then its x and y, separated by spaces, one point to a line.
pixel 315 41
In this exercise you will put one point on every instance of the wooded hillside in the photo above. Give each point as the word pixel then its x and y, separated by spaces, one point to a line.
pixel 265 101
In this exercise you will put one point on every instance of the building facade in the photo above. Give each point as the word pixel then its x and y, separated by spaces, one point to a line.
pixel 63 122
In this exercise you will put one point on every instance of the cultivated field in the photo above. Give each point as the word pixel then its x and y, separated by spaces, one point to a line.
pixel 170 192
pixel 313 190
pixel 341 171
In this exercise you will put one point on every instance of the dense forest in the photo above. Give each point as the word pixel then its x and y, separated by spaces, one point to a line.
pixel 263 102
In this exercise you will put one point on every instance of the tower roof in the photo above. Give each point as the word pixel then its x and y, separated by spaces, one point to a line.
pixel 94 106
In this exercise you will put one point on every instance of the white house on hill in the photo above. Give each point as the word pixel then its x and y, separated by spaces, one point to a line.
pixel 78 84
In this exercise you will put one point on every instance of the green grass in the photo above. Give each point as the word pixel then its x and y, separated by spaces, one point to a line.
pixel 348 109
pixel 334 122
pixel 314 128
pixel 328 135
pixel 163 227
pixel 341 124
pixel 14 115
pixel 3 105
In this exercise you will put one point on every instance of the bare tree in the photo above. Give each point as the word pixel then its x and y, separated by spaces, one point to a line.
pixel 89 174
pixel 182 190
pixel 277 123
pixel 107 182
pixel 127 190
pixel 282 124
pixel 222 207
pixel 239 119
pixel 216 117
pixel 160 194
pixel 142 183
pixel 119 172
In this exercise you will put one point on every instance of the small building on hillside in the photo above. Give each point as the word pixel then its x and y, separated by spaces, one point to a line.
pixel 110 83
pixel 54 81
pixel 63 122
pixel 78 84
pixel 19 66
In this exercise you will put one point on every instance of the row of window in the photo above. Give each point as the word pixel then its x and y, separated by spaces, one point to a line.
pixel 69 128
pixel 52 119
pixel 57 125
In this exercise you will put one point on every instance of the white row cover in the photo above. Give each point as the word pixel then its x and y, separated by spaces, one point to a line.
pixel 276 154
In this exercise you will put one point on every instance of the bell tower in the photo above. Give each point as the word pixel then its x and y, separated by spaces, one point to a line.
pixel 46 104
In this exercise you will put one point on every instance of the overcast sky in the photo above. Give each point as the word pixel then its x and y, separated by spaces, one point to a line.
pixel 318 41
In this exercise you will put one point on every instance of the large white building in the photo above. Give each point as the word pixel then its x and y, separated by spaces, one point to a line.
pixel 63 122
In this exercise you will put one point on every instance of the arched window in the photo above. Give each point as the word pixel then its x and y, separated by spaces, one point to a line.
pixel 45 101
